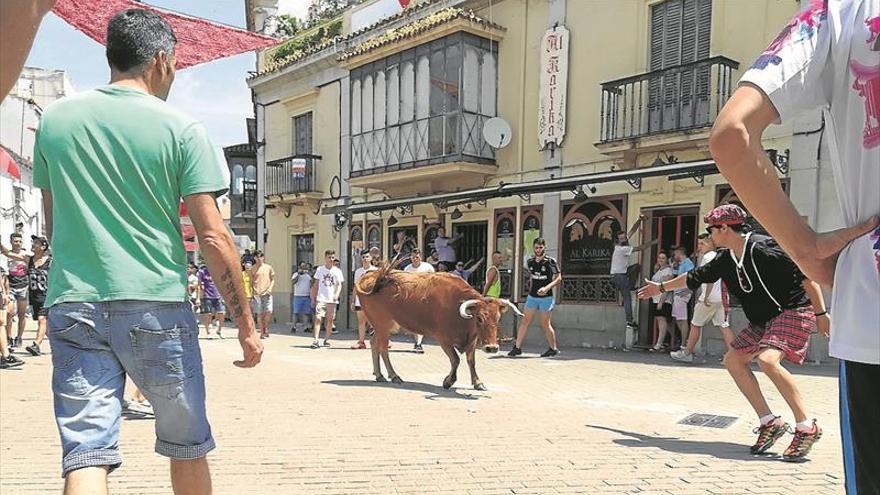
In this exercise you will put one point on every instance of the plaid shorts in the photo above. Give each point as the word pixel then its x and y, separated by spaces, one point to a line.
pixel 789 332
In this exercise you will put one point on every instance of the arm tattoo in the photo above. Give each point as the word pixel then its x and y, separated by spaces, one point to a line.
pixel 234 303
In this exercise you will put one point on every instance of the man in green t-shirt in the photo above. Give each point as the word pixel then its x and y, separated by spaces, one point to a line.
pixel 113 164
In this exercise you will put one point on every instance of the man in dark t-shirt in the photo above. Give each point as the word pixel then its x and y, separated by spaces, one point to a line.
pixel 782 307
pixel 545 275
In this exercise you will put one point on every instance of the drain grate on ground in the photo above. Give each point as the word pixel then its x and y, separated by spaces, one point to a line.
pixel 708 420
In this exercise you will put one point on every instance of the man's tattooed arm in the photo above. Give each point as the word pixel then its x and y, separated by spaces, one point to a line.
pixel 234 306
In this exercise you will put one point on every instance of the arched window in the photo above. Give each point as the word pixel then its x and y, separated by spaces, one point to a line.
pixel 250 173
pixel 237 180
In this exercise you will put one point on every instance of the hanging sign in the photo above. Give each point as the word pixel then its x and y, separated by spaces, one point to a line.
pixel 554 86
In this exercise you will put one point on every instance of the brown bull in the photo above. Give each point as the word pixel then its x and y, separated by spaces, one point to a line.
pixel 438 305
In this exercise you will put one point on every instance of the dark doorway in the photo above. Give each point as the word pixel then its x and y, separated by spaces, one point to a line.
pixel 303 250
pixel 472 247
pixel 674 226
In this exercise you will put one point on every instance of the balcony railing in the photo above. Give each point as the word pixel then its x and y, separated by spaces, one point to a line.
pixel 291 175
pixel 679 98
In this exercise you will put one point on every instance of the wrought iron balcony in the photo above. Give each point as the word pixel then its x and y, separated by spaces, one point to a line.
pixel 291 175
pixel 680 98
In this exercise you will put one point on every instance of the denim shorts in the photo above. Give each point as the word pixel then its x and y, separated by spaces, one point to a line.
pixel 261 304
pixel 211 306
pixel 302 305
pixel 94 346
pixel 544 304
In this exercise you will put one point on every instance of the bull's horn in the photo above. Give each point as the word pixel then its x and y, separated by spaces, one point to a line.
pixel 462 310
pixel 512 306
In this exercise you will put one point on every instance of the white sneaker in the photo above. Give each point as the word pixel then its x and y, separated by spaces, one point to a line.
pixel 682 355
pixel 138 407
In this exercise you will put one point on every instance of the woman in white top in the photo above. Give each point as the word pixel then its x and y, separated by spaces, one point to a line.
pixel 663 302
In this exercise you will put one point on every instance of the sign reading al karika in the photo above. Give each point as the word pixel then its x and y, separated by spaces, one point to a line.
pixel 554 86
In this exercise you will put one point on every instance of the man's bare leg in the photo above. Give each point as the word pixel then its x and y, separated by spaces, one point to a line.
pixel 206 321
pixel 738 365
pixel 191 477
pixel 316 327
pixel 42 328
pixel 86 481
pixel 529 314
pixel 328 325
pixel 220 317
pixel 548 328
pixel 693 338
pixel 267 318
pixel 10 311
pixel 770 362
pixel 683 328
pixel 22 317
pixel 4 345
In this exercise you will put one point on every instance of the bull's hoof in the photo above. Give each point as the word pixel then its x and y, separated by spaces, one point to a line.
pixel 381 379
pixel 480 387
pixel 448 382
pixel 396 380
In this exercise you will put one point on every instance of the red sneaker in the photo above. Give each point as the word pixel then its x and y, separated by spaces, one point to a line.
pixel 802 442
pixel 768 435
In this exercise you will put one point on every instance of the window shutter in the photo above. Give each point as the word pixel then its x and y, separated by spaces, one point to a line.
pixel 657 16
pixel 704 28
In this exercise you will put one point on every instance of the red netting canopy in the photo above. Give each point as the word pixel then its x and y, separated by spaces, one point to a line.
pixel 198 40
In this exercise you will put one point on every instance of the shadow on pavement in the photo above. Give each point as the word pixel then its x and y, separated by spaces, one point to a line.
pixel 434 391
pixel 662 359
pixel 719 450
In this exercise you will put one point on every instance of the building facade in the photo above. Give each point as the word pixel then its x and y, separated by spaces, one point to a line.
pixel 241 161
pixel 598 113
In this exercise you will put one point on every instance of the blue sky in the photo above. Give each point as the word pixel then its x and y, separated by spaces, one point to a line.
pixel 214 93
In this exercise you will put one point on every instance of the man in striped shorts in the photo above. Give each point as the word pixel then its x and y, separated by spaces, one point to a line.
pixel 782 307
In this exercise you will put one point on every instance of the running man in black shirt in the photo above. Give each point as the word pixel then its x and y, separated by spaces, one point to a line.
pixel 782 307
pixel 545 275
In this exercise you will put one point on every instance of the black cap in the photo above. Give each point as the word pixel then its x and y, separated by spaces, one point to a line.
pixel 42 240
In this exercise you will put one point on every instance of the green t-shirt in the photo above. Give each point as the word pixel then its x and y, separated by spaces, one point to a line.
pixel 117 162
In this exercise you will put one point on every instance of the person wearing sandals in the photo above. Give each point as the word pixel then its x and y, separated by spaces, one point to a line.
pixel 663 272
pixel 782 307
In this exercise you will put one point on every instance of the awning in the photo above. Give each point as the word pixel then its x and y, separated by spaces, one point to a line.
pixel 694 169
pixel 8 166
pixel 198 40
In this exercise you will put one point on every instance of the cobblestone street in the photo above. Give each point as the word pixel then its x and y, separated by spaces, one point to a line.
pixel 314 421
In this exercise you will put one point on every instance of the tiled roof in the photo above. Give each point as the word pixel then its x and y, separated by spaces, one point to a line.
pixel 416 28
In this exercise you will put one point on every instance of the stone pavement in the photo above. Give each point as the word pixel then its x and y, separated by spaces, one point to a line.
pixel 314 421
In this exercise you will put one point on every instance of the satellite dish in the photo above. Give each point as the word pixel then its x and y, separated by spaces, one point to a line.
pixel 497 132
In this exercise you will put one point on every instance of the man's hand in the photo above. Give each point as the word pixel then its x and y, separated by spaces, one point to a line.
pixel 820 260
pixel 649 290
pixel 252 349
pixel 823 324
pixel 706 302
